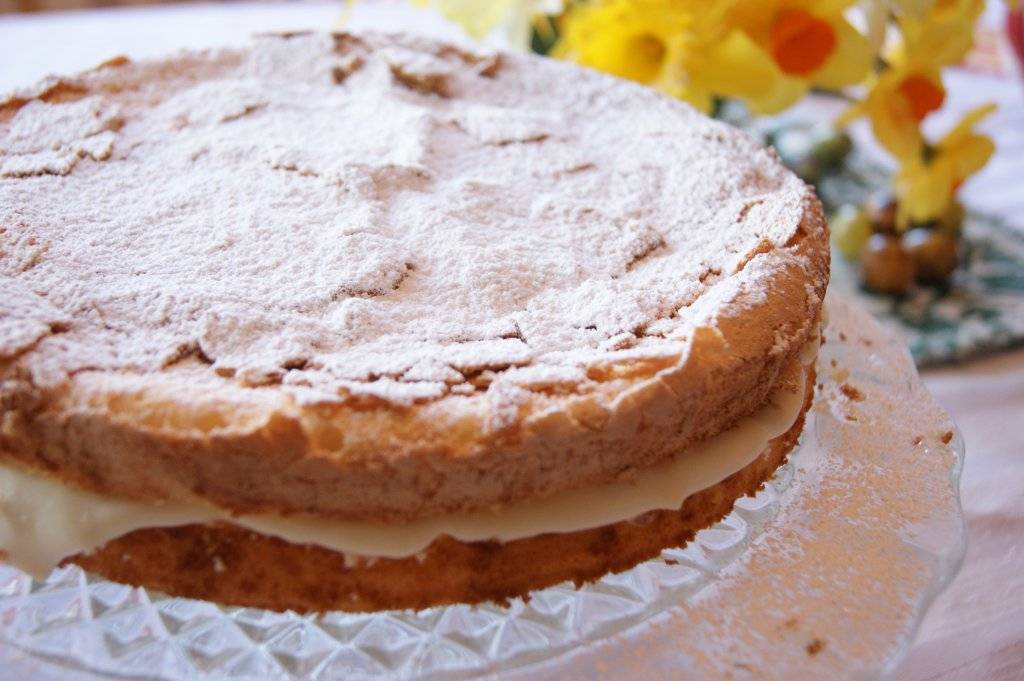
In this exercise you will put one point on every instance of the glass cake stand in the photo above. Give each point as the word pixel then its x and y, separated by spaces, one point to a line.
pixel 827 572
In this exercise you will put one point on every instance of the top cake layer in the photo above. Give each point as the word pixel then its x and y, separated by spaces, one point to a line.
pixel 332 261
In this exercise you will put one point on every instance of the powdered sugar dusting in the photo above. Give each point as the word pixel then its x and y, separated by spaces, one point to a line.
pixel 375 217
pixel 26 318
pixel 50 138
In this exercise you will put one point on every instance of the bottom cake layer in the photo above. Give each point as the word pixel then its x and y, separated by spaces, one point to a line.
pixel 235 566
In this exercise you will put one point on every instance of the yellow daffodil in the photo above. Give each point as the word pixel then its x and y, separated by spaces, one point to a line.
pixel 735 66
pixel 911 8
pixel 630 39
pixel 480 19
pixel 928 180
pixel 910 87
pixel 904 8
pixel 898 99
pixel 879 13
pixel 945 32
pixel 686 51
pixel 809 40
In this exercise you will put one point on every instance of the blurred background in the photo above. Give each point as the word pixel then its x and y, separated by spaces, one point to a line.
pixel 51 5
pixel 11 6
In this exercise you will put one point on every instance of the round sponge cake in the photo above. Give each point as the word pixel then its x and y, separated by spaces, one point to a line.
pixel 380 277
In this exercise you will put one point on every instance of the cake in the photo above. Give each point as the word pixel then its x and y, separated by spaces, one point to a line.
pixel 340 321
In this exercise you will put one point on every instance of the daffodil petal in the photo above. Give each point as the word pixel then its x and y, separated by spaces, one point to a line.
pixel 944 34
pixel 924 191
pixel 849 63
pixel 698 98
pixel 627 38
pixel 785 94
pixel 894 125
pixel 755 18
pixel 970 156
pixel 737 67
pixel 963 128
pixel 827 7
pixel 476 18
pixel 913 8
pixel 876 19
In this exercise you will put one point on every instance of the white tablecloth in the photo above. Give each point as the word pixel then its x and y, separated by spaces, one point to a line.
pixel 975 629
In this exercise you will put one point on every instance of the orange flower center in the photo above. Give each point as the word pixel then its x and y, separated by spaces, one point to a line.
pixel 801 42
pixel 923 95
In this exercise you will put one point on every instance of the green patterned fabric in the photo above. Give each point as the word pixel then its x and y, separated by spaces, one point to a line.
pixel 982 311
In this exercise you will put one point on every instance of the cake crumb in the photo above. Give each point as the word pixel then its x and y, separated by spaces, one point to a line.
pixel 851 392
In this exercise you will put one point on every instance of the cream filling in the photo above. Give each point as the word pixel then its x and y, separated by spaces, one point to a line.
pixel 43 521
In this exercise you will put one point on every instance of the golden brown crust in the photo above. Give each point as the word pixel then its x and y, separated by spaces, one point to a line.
pixel 235 566
pixel 337 461
pixel 184 432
